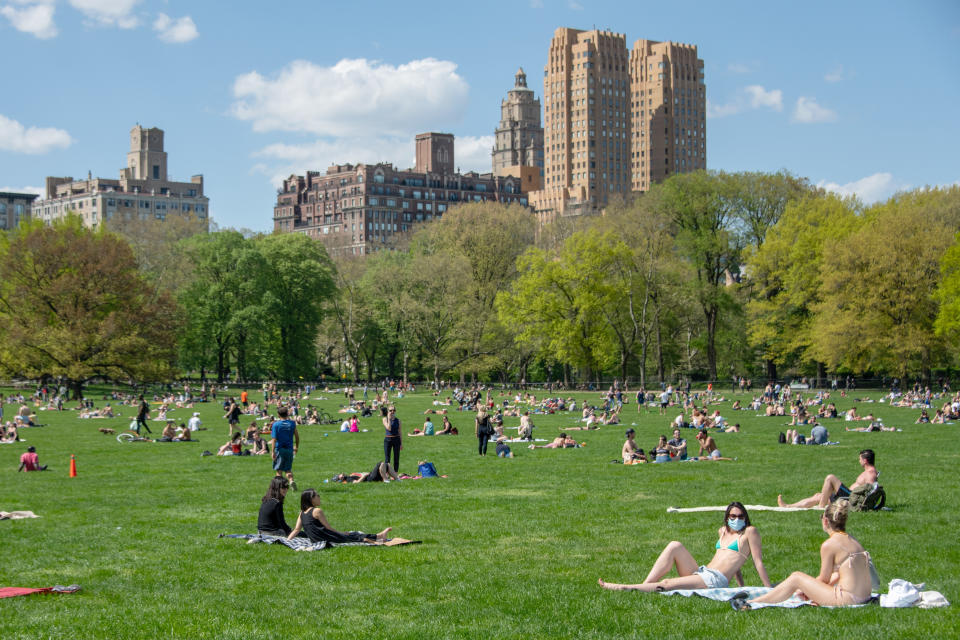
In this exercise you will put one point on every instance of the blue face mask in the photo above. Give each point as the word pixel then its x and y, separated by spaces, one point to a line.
pixel 736 524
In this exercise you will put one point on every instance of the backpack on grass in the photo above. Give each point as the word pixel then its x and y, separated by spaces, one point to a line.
pixel 869 497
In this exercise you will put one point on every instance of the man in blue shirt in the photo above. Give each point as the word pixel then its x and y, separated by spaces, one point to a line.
pixel 284 442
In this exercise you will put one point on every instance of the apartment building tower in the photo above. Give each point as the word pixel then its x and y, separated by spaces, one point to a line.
pixel 669 111
pixel 616 121
pixel 143 191
pixel 357 209
pixel 518 140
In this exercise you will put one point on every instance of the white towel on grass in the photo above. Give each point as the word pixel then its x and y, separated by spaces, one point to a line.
pixel 750 507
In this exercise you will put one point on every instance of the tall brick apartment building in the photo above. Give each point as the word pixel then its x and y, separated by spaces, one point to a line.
pixel 358 209
pixel 616 121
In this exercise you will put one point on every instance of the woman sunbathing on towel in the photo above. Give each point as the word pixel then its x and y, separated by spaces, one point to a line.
pixel 314 523
pixel 738 540
pixel 382 472
pixel 845 576
pixel 563 442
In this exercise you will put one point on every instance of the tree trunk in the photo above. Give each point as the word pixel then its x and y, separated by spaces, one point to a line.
pixel 711 318
pixel 821 374
pixel 220 362
pixel 76 387
pixel 660 372
pixel 772 370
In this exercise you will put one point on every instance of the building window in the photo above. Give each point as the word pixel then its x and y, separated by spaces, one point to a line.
pixel 156 172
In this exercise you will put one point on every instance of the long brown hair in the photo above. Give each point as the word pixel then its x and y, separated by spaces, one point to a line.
pixel 726 515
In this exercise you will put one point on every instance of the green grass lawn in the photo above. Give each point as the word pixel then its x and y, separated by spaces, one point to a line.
pixel 511 547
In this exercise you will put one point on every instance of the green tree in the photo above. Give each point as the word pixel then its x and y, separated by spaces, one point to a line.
pixel 702 208
pixel 73 305
pixel 784 276
pixel 297 284
pixel 878 306
pixel 489 237
pixel 948 294
pixel 545 305
pixel 215 291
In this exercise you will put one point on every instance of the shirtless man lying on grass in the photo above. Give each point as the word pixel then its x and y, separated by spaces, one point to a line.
pixel 833 488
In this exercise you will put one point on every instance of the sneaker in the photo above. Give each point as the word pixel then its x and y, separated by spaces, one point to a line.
pixel 293 485
pixel 206 453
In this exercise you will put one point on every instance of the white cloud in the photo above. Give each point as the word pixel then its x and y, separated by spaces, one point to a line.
pixel 834 76
pixel 723 110
pixel 751 97
pixel 536 4
pixel 738 67
pixel 36 190
pixel 15 137
pixel 35 19
pixel 873 188
pixel 353 98
pixel 109 13
pixel 175 30
pixel 808 111
pixel 472 153
pixel 575 6
pixel 760 97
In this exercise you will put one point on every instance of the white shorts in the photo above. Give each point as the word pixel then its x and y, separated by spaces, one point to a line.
pixel 713 578
pixel 715 453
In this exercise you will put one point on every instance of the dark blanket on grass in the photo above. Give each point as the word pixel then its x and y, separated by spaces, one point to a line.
pixel 304 544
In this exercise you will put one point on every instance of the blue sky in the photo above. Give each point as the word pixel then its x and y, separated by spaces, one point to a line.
pixel 861 97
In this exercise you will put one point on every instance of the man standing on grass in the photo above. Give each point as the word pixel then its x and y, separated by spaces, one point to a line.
pixel 143 412
pixel 284 442
pixel 392 441
pixel 232 416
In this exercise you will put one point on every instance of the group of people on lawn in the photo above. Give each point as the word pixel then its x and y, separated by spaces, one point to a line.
pixel 845 576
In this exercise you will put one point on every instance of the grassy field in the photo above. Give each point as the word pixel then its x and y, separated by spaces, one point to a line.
pixel 511 548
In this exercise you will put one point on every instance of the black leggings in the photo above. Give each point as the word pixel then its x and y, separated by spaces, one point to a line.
pixel 392 444
pixel 483 438
pixel 142 422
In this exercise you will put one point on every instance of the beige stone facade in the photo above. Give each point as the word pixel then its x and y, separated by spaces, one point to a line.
pixel 143 190
pixel 14 207
pixel 518 141
pixel 669 111
pixel 616 121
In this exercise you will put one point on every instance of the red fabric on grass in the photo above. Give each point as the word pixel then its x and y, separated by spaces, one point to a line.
pixel 10 592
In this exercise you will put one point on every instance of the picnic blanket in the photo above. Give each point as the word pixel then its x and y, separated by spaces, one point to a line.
pixel 304 544
pixel 724 595
pixel 10 592
pixel 17 515
pixel 901 593
pixel 750 507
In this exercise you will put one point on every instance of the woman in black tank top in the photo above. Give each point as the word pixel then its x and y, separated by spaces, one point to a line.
pixel 314 523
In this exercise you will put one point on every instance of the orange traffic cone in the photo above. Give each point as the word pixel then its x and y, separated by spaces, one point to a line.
pixel 73 467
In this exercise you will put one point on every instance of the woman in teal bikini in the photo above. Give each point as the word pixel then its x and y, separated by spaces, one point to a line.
pixel 737 541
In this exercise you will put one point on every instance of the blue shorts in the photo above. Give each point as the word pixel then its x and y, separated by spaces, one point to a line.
pixel 284 460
